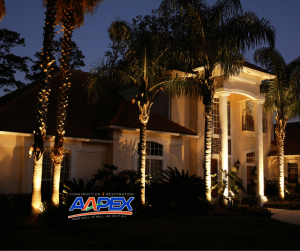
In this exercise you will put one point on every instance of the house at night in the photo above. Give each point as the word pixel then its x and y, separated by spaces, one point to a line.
pixel 109 132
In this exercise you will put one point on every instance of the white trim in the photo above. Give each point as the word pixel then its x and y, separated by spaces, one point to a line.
pixel 52 137
pixel 152 131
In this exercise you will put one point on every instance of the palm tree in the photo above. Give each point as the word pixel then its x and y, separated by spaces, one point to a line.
pixel 70 13
pixel 37 149
pixel 282 97
pixel 142 66
pixel 219 34
pixel 2 9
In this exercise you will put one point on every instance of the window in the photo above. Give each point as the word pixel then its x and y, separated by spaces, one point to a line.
pixel 292 172
pixel 154 159
pixel 264 122
pixel 248 115
pixel 47 172
pixel 216 116
pixel 228 117
pixel 250 163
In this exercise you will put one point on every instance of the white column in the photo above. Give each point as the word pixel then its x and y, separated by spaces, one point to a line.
pixel 224 135
pixel 259 152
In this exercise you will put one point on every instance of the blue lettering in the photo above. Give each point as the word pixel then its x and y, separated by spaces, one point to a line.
pixel 75 206
pixel 103 205
pixel 115 204
pixel 127 203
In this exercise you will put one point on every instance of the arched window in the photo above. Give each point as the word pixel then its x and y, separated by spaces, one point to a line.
pixel 154 159
pixel 248 117
pixel 48 170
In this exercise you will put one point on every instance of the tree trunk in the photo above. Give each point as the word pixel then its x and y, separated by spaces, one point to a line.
pixel 37 149
pixel 36 199
pixel 280 135
pixel 281 169
pixel 58 150
pixel 207 148
pixel 142 164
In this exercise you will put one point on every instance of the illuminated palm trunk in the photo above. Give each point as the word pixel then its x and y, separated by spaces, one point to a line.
pixel 37 149
pixel 144 113
pixel 36 188
pixel 2 9
pixel 207 149
pixel 280 134
pixel 208 134
pixel 58 150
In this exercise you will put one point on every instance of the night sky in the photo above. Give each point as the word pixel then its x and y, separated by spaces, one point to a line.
pixel 27 17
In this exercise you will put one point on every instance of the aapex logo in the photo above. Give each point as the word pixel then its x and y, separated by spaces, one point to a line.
pixel 101 206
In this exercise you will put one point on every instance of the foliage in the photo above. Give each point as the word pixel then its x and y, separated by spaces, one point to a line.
pixel 291 192
pixel 283 204
pixel 125 181
pixel 76 57
pixel 11 63
pixel 235 183
pixel 54 214
pixel 255 212
pixel 184 189
pixel 253 182
pixel 13 208
pixel 69 186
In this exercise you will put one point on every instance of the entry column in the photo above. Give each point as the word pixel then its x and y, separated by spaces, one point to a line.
pixel 259 151
pixel 224 135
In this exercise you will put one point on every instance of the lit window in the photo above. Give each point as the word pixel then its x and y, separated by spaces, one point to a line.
pixel 48 170
pixel 248 115
pixel 154 160
pixel 293 172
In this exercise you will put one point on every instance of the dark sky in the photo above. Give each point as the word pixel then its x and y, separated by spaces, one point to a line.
pixel 27 17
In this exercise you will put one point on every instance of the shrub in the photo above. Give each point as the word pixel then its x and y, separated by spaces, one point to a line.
pixel 70 186
pixel 255 212
pixel 14 207
pixel 54 214
pixel 181 188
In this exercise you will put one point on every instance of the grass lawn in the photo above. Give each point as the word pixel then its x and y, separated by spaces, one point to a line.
pixel 202 232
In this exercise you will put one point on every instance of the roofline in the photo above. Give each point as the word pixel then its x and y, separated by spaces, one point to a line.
pixel 52 137
pixel 250 71
pixel 153 131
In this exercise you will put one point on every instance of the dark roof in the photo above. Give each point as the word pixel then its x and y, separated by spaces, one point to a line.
pixel 254 67
pixel 18 111
pixel 291 140
pixel 127 116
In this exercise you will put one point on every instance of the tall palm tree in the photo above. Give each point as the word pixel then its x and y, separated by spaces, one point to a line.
pixel 142 66
pixel 282 97
pixel 2 9
pixel 37 149
pixel 70 14
pixel 219 34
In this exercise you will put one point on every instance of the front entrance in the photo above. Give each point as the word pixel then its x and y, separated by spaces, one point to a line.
pixel 214 170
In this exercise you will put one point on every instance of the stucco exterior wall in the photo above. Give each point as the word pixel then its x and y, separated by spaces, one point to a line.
pixel 16 167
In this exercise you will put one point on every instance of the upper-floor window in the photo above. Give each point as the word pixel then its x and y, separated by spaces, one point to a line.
pixel 154 159
pixel 248 116
pixel 216 117
pixel 264 122
pixel 47 172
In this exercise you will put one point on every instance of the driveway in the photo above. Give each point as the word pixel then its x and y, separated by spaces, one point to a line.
pixel 289 216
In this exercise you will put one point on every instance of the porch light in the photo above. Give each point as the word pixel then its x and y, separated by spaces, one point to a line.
pixel 238 164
